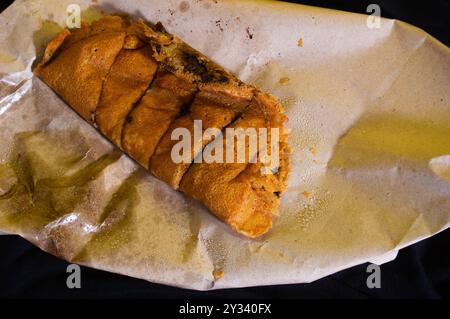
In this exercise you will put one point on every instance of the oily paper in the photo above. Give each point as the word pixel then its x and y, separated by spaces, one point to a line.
pixel 369 114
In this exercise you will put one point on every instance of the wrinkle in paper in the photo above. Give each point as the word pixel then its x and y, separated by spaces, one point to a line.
pixel 369 114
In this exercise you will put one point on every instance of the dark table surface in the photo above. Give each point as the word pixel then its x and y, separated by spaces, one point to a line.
pixel 421 270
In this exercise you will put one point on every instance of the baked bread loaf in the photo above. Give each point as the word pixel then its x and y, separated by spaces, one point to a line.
pixel 137 84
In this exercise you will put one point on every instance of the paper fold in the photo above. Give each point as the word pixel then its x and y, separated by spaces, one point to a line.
pixel 369 114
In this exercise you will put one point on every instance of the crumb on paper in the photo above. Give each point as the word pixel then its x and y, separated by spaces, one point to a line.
pixel 300 42
pixel 184 6
pixel 306 194
pixel 217 274
pixel 249 33
pixel 171 11
pixel 313 151
pixel 288 101
pixel 217 22
pixel 284 80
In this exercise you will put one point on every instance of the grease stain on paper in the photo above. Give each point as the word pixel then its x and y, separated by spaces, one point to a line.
pixel 116 221
pixel 45 179
pixel 381 139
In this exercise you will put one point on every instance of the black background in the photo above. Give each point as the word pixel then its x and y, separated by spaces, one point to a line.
pixel 420 271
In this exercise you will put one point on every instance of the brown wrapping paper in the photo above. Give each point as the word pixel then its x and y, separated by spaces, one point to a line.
pixel 369 113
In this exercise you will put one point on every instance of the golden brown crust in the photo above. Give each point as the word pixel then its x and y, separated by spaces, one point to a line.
pixel 149 121
pixel 77 74
pixel 53 46
pixel 239 193
pixel 132 41
pixel 214 110
pixel 105 71
pixel 124 85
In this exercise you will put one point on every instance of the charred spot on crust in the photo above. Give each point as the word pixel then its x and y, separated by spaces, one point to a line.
pixel 167 67
pixel 184 110
pixel 158 48
pixel 214 77
pixel 198 67
pixel 277 194
pixel 129 119
pixel 193 64
pixel 186 107
pixel 159 27
pixel 207 77
pixel 222 78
